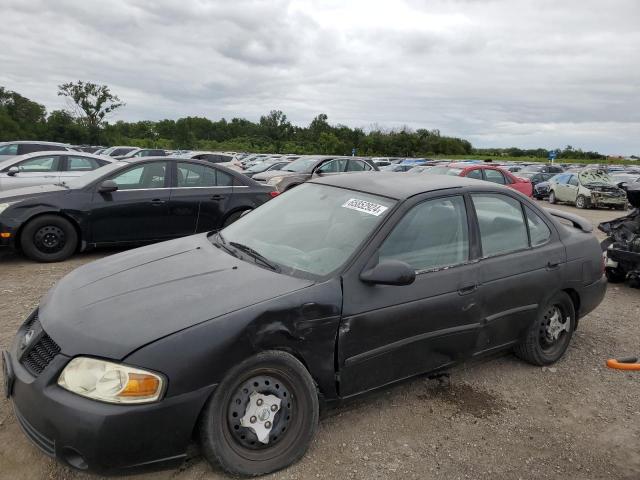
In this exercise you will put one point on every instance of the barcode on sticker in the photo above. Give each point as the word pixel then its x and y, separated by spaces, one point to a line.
pixel 365 207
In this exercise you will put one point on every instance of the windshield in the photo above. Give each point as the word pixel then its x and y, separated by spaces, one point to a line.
pixel 595 176
pixel 445 171
pixel 84 180
pixel 526 174
pixel 302 165
pixel 309 231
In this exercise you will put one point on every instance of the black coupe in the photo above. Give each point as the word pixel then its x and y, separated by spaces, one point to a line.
pixel 128 202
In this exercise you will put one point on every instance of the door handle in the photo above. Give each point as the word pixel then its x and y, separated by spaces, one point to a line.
pixel 217 197
pixel 156 202
pixel 552 264
pixel 467 289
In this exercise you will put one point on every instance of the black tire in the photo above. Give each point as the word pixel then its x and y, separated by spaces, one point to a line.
pixel 538 348
pixel 552 197
pixel 49 238
pixel 582 202
pixel 615 274
pixel 232 218
pixel 235 448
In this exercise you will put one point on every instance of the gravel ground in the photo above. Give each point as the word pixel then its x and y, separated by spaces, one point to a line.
pixel 498 419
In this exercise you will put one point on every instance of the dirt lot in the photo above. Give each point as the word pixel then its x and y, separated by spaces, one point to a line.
pixel 499 419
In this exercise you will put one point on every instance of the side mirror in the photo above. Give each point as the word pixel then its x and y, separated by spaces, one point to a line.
pixel 389 272
pixel 108 186
pixel 13 171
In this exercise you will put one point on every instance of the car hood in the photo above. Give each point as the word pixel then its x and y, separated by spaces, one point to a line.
pixel 113 306
pixel 17 194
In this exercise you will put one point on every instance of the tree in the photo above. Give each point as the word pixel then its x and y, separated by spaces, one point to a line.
pixel 91 103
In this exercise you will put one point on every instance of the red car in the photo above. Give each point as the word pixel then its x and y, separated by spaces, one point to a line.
pixel 484 172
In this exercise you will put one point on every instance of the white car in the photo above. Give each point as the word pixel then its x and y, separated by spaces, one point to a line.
pixel 13 149
pixel 48 167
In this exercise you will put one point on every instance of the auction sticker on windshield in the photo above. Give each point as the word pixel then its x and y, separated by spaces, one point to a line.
pixel 365 207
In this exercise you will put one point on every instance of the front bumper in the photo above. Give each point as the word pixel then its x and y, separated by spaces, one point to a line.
pixel 606 200
pixel 10 228
pixel 96 436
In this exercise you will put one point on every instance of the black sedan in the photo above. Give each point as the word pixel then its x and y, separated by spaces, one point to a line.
pixel 128 202
pixel 343 285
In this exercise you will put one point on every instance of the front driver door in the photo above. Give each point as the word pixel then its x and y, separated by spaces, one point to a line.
pixel 138 211
pixel 393 332
pixel 42 170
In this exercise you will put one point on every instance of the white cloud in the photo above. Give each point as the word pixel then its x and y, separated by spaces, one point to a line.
pixel 500 73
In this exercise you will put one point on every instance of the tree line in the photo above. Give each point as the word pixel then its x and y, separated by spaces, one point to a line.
pixel 85 122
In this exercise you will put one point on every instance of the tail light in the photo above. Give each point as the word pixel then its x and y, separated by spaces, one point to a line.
pixel 274 193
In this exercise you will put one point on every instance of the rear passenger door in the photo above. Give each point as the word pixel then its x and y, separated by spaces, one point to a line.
pixel 520 259
pixel 75 166
pixel 199 198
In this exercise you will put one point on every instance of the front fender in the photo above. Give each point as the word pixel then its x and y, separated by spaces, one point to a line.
pixel 304 323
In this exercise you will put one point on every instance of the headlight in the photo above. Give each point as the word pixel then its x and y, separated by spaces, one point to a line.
pixel 274 180
pixel 4 206
pixel 110 382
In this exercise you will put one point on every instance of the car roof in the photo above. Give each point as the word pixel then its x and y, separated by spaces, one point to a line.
pixel 398 185
pixel 37 142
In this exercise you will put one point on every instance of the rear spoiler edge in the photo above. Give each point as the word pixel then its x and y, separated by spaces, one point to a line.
pixel 577 221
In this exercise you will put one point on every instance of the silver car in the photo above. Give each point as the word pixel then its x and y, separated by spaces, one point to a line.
pixel 12 149
pixel 48 167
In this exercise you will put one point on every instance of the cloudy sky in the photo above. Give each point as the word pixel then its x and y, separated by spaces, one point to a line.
pixel 499 73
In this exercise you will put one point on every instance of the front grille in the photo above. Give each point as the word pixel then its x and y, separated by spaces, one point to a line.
pixel 40 355
pixel 45 444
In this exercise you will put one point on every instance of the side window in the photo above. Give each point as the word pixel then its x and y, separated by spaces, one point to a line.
pixel 494 176
pixel 538 230
pixel 432 234
pixel 192 175
pixel 11 149
pixel 149 175
pixel 357 166
pixel 502 227
pixel 332 166
pixel 573 180
pixel 81 164
pixel 39 164
pixel 223 179
pixel 476 173
pixel 562 179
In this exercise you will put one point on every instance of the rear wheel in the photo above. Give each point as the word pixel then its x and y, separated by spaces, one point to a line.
pixel 582 202
pixel 549 336
pixel 552 197
pixel 49 238
pixel 262 417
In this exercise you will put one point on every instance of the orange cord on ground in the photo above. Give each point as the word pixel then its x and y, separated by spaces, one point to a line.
pixel 615 364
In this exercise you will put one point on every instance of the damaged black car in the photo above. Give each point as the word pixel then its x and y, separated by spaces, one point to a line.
pixel 340 286
pixel 622 245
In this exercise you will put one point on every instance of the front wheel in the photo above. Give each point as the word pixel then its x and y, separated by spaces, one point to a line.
pixel 262 417
pixel 552 197
pixel 549 336
pixel 582 202
pixel 49 238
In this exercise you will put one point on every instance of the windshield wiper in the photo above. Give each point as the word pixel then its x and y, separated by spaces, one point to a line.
pixel 258 256
pixel 62 184
pixel 222 243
